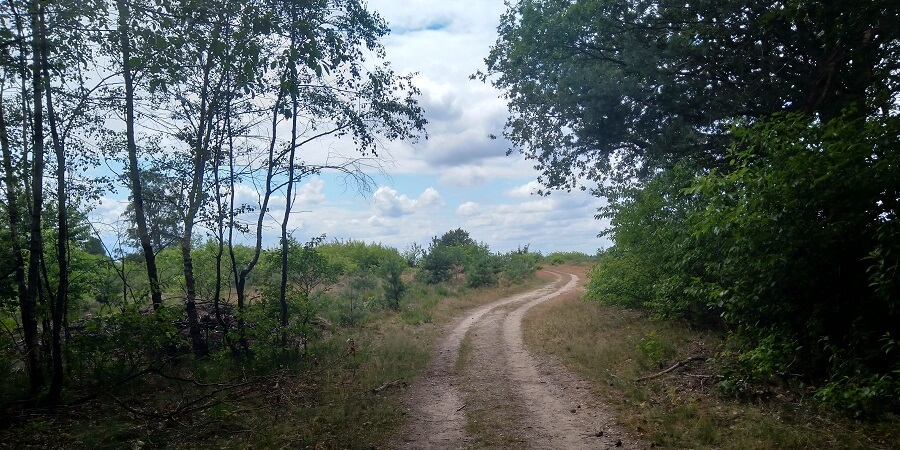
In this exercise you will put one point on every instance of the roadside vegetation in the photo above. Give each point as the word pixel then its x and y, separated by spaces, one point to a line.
pixel 615 347
pixel 362 327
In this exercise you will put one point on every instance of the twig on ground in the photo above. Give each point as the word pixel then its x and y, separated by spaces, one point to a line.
pixel 675 366
pixel 387 385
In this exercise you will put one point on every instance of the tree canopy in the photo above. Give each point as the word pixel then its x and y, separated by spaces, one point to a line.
pixel 610 90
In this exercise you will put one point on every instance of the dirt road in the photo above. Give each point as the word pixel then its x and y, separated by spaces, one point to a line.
pixel 483 389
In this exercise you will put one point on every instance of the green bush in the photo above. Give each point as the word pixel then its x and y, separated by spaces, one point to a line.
pixel 790 244
pixel 557 258
pixel 391 273
pixel 482 271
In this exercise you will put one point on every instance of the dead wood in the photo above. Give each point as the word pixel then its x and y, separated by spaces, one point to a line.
pixel 675 366
pixel 387 385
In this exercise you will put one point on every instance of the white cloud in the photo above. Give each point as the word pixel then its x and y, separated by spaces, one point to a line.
pixel 430 197
pixel 110 208
pixel 392 204
pixel 468 209
pixel 465 177
pixel 312 193
pixel 375 221
pixel 525 190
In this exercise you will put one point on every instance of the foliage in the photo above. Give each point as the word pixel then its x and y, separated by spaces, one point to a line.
pixel 358 298
pixel 413 254
pixel 610 90
pixel 308 266
pixel 655 348
pixel 455 253
pixel 391 271
pixel 557 258
pixel 656 261
pixel 482 270
pixel 785 245
pixel 800 220
pixel 519 264
pixel 448 255
pixel 163 206
pixel 352 255
pixel 217 74
pixel 107 348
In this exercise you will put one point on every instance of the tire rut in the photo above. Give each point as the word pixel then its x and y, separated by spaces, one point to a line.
pixel 504 397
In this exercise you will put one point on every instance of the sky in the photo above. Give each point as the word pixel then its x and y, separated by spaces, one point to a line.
pixel 458 177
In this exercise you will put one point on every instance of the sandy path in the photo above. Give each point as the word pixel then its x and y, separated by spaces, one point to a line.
pixel 507 397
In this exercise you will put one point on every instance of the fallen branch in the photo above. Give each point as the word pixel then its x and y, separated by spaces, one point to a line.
pixel 387 385
pixel 677 365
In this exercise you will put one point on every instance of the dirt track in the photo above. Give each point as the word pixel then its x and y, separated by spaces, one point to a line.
pixel 500 395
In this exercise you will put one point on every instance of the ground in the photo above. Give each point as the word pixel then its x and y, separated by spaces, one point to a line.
pixel 484 389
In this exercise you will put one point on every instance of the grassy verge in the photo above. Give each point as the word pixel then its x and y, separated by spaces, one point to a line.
pixel 345 394
pixel 612 347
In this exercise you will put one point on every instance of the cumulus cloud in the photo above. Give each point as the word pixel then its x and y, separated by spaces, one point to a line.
pixel 525 190
pixel 466 147
pixel 375 221
pixel 392 204
pixel 439 100
pixel 468 209
pixel 312 193
pixel 110 208
pixel 465 177
pixel 429 197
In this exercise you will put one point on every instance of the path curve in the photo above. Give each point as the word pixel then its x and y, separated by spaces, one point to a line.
pixel 528 402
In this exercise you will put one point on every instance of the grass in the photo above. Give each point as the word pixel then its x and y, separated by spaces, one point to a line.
pixel 611 347
pixel 325 400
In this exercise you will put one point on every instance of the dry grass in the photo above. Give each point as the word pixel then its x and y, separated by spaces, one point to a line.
pixel 323 401
pixel 612 347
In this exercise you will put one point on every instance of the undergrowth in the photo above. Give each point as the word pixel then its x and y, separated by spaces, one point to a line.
pixel 613 346
pixel 343 391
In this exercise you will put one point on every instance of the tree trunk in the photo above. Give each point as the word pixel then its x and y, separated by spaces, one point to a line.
pixel 238 278
pixel 59 305
pixel 195 200
pixel 282 297
pixel 36 241
pixel 26 301
pixel 220 249
pixel 197 342
pixel 241 277
pixel 133 168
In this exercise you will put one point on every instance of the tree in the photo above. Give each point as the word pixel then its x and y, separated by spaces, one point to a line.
pixel 806 224
pixel 162 205
pixel 26 299
pixel 391 272
pixel 610 90
pixel 136 184
pixel 322 77
pixel 446 255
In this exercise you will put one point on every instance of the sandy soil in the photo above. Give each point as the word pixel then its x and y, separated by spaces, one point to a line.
pixel 500 395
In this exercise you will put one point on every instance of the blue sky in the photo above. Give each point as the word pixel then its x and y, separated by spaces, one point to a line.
pixel 458 178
